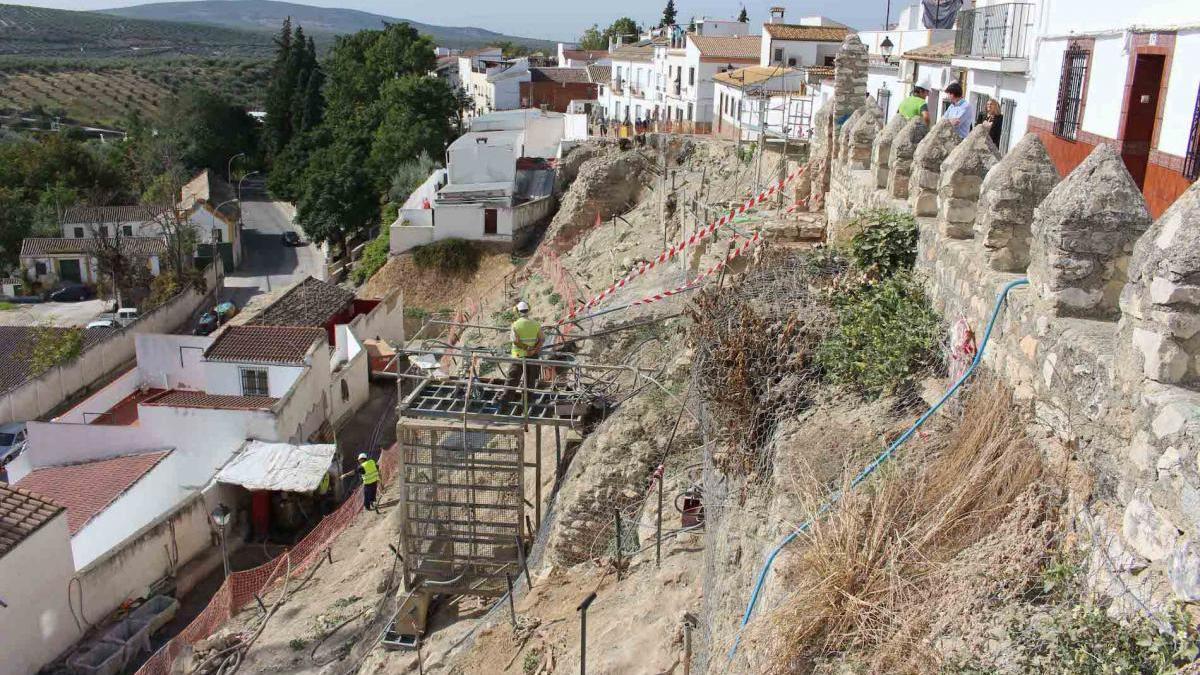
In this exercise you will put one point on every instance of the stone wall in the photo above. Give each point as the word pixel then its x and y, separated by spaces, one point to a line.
pixel 1102 343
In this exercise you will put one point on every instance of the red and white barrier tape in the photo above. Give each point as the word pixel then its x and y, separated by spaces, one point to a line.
pixel 740 250
pixel 695 238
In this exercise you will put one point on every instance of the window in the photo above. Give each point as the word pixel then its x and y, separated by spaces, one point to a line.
pixel 254 382
pixel 778 55
pixel 1070 92
pixel 1007 108
pixel 829 62
pixel 217 236
pixel 689 113
pixel 127 230
pixel 79 233
pixel 102 231
pixel 1191 161
pixel 39 269
pixel 691 77
pixel 345 391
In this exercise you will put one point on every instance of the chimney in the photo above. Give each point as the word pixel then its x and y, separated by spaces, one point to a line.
pixel 776 15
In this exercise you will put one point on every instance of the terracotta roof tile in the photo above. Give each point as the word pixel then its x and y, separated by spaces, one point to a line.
pixel 560 75
pixel 599 74
pixel 585 55
pixel 939 52
pixel 112 214
pixel 183 398
pixel 795 33
pixel 752 75
pixel 88 488
pixel 311 302
pixel 728 47
pixel 35 246
pixel 17 343
pixel 285 345
pixel 637 51
pixel 21 514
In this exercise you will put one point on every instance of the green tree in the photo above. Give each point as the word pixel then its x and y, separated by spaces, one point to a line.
pixel 280 92
pixel 668 17
pixel 512 50
pixel 625 28
pixel 16 221
pixel 593 39
pixel 417 119
pixel 744 17
pixel 207 129
pixel 337 196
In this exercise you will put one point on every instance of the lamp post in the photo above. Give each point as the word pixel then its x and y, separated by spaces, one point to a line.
pixel 229 166
pixel 220 518
pixel 239 194
pixel 886 48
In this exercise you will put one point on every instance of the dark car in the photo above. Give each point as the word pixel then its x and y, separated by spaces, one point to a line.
pixel 290 238
pixel 210 320
pixel 71 293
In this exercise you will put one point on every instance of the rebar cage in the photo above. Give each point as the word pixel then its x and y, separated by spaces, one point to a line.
pixel 462 495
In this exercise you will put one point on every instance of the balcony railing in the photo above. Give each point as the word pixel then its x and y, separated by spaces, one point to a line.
pixel 995 31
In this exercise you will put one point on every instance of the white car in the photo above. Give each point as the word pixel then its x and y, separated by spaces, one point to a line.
pixel 103 323
pixel 12 441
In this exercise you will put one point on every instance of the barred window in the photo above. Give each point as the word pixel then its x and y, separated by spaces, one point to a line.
pixel 1191 161
pixel 1070 92
pixel 254 382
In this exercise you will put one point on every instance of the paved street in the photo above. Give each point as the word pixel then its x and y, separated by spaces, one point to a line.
pixel 268 265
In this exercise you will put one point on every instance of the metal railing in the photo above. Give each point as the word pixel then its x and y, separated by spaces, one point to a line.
pixel 995 31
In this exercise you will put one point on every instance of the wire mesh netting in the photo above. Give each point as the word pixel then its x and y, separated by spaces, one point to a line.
pixel 754 365
pixel 463 503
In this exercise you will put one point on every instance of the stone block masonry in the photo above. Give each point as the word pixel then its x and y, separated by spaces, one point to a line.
pixel 1009 193
pixel 881 150
pixel 933 149
pixel 904 147
pixel 960 180
pixel 1104 345
pixel 1083 234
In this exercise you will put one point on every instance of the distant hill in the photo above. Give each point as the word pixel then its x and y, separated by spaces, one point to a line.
pixel 39 32
pixel 269 14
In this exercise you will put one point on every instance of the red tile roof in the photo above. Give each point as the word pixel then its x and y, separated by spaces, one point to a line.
pixel 283 345
pixel 181 398
pixel 585 55
pixel 21 514
pixel 939 52
pixel 96 215
pixel 728 47
pixel 795 33
pixel 560 75
pixel 88 488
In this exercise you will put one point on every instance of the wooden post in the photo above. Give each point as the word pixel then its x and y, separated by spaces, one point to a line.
pixel 537 475
pixel 687 647
pixel 658 526
pixel 523 561
pixel 617 516
pixel 557 455
pixel 512 608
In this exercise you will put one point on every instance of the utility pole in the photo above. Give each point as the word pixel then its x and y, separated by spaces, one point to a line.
pixel 762 140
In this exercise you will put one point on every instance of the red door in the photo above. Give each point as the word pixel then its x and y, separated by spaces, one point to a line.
pixel 1142 108
pixel 489 221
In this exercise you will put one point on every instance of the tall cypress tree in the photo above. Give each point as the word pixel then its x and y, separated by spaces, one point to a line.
pixel 668 17
pixel 279 94
pixel 744 17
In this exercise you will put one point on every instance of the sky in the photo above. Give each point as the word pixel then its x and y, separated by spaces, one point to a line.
pixel 562 19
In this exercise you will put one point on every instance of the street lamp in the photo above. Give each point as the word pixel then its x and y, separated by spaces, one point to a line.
pixel 239 194
pixel 220 518
pixel 229 166
pixel 886 48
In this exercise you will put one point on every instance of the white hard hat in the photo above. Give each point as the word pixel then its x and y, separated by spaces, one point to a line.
pixel 924 84
pixel 362 455
pixel 522 306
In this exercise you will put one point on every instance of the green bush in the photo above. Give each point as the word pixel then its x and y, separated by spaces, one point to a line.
pixel 885 332
pixel 374 257
pixel 885 242
pixel 451 256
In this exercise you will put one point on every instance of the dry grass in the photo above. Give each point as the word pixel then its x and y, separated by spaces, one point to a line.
pixel 867 571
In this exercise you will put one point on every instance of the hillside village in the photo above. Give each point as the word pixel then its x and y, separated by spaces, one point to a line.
pixel 723 345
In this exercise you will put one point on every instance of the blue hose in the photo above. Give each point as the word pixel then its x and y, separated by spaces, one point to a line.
pixel 875 464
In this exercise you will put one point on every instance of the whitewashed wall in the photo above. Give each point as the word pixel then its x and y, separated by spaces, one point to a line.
pixel 37 625
pixel 226 378
pixel 157 492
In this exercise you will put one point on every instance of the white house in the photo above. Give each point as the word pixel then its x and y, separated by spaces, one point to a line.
pixel 688 93
pixel 1125 76
pixel 47 260
pixel 631 94
pixel 570 56
pixel 498 183
pixel 35 569
pixel 134 463
pixel 491 81
pixel 214 212
pixel 814 41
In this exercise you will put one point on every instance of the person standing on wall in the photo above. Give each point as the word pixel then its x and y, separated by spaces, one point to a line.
pixel 992 115
pixel 369 470
pixel 915 104
pixel 960 113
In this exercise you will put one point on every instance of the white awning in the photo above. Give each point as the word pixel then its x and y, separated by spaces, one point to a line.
pixel 278 466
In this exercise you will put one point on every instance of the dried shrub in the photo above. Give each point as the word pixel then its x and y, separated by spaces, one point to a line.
pixel 450 256
pixel 862 575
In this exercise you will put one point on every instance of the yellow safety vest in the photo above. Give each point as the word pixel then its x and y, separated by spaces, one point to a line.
pixel 526 333
pixel 324 487
pixel 370 471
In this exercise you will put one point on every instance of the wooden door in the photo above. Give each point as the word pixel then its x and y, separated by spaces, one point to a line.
pixel 1140 113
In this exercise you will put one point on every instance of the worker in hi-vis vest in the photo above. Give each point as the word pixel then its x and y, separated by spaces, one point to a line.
pixel 916 104
pixel 527 340
pixel 369 470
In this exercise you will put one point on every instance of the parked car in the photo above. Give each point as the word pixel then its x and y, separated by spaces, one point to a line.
pixel 217 316
pixel 71 293
pixel 103 323
pixel 127 315
pixel 290 238
pixel 12 441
